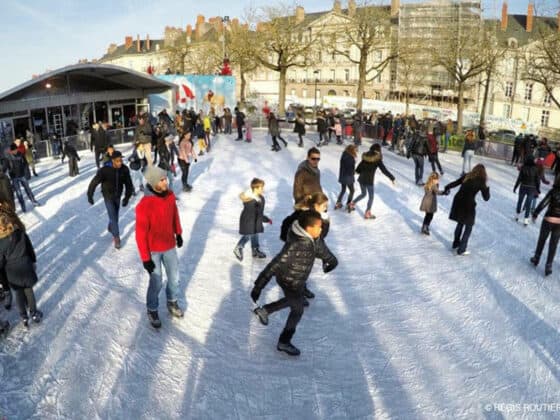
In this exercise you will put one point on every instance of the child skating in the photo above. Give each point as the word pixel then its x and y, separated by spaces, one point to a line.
pixel 251 219
pixel 292 267
pixel 429 202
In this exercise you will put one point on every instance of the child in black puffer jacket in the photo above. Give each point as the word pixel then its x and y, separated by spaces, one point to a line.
pixel 17 258
pixel 529 180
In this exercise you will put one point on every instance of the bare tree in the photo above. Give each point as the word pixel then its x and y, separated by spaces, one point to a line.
pixel 281 42
pixel 364 40
pixel 206 58
pixel 178 50
pixel 239 49
pixel 412 68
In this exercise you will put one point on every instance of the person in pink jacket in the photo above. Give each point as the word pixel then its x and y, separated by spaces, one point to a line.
pixel 186 156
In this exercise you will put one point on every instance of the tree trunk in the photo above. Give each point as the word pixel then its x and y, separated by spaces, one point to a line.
pixel 243 85
pixel 282 91
pixel 407 102
pixel 460 107
pixel 361 80
pixel 485 98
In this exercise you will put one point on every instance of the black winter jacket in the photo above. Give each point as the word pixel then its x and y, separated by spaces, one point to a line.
pixel 112 181
pixel 552 201
pixel 529 175
pixel 17 257
pixel 99 139
pixel 71 152
pixel 17 165
pixel 463 209
pixel 368 166
pixel 252 215
pixel 347 169
pixel 419 145
pixel 294 263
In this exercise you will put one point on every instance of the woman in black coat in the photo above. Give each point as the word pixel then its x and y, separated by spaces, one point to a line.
pixel 299 127
pixel 463 209
pixel 346 175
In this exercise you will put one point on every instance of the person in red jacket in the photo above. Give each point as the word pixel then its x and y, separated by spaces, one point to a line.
pixel 158 231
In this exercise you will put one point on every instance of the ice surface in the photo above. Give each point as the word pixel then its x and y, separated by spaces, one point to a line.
pixel 401 329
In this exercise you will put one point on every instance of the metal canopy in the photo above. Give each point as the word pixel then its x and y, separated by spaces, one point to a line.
pixel 80 80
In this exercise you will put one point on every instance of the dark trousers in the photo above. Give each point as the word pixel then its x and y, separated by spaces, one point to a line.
pixel 293 300
pixel 18 183
pixel 98 156
pixel 461 239
pixel 275 144
pixel 418 167
pixel 515 157
pixel 112 206
pixel 434 160
pixel 370 191
pixel 73 166
pixel 343 191
pixel 25 299
pixel 547 229
pixel 428 219
pixel 184 171
pixel 239 131
pixel 4 280
pixel 300 140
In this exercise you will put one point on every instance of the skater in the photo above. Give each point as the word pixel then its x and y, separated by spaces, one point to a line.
pixel 137 164
pixel 143 134
pixel 299 127
pixel 99 142
pixel 207 124
pixel 17 170
pixel 274 130
pixel 239 122
pixel 429 202
pixel 468 151
pixel 17 261
pixel 338 131
pixel 201 136
pixel 529 184
pixel 322 128
pixel 346 175
pixel 113 180
pixel 158 232
pixel 463 209
pixel 318 202
pixel 166 149
pixel 186 156
pixel 251 219
pixel 29 158
pixel 292 267
pixel 418 149
pixel 516 149
pixel 73 159
pixel 307 179
pixel 433 149
pixel 371 160
pixel 248 131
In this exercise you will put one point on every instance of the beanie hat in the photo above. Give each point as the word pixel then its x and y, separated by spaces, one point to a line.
pixel 116 154
pixel 153 175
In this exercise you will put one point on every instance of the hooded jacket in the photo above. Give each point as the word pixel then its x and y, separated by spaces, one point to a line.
pixel 371 160
pixel 252 215
pixel 17 257
pixel 294 263
pixel 347 169
pixel 529 175
pixel 289 221
pixel 157 223
pixel 112 181
pixel 306 181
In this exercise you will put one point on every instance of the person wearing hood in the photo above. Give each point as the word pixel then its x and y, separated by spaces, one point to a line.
pixel 113 179
pixel 307 179
pixel 292 267
pixel 346 175
pixel 251 219
pixel 158 233
pixel 529 184
pixel 371 160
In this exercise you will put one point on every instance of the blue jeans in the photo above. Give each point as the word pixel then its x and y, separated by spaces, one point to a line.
pixel 18 183
pixel 528 192
pixel 112 206
pixel 363 188
pixel 467 158
pixel 418 167
pixel 169 260
pixel 245 238
pixel 461 238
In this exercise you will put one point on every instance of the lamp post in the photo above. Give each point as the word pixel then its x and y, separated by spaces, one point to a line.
pixel 315 72
pixel 225 21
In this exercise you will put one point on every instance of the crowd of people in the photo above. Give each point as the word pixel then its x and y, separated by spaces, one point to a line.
pixel 161 148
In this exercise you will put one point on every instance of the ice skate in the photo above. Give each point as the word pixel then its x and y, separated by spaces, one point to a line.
pixel 153 317
pixel 238 252
pixel 288 348
pixel 174 310
pixel 262 314
pixel 257 253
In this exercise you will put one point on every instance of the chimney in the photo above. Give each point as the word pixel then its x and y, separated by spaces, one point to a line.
pixel 189 31
pixel 127 42
pixel 395 6
pixel 351 8
pixel 300 14
pixel 504 23
pixel 235 22
pixel 337 8
pixel 148 42
pixel 530 13
pixel 200 19
pixel 138 43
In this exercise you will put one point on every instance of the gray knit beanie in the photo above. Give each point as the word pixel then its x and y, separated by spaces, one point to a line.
pixel 153 175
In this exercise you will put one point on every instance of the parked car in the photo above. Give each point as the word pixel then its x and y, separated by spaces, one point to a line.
pixel 502 135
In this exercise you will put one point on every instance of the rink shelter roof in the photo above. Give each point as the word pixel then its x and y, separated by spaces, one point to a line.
pixel 80 83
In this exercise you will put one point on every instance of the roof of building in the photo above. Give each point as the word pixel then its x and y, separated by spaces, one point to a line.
pixel 516 28
pixel 121 50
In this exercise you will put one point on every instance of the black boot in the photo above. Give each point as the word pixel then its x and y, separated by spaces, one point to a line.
pixel 534 260
pixel 548 270
pixel 7 299
pixel 262 314
pixel 288 348
pixel 425 230
pixel 37 316
pixel 153 317
pixel 257 253
pixel 308 293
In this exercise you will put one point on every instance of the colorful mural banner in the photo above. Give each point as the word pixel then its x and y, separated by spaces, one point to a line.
pixel 198 92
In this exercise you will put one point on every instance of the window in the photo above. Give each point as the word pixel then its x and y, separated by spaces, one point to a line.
pixel 528 91
pixel 304 93
pixel 506 111
pixel 293 92
pixel 547 100
pixel 346 75
pixel 333 74
pixel 545 117
pixel 509 90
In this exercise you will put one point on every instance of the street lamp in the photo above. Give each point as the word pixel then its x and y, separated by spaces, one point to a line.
pixel 225 21
pixel 315 72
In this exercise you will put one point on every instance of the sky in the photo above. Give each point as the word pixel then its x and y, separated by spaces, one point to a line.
pixel 41 35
